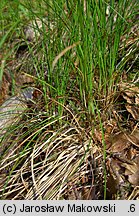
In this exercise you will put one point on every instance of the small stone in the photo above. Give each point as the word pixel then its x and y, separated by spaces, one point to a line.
pixel 12 108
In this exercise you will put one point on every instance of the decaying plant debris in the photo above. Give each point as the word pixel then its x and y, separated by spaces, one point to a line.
pixel 70 160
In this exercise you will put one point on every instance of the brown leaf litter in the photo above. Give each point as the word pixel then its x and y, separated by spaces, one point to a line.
pixel 130 93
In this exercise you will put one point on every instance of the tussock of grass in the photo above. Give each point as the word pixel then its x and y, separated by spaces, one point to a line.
pixel 51 167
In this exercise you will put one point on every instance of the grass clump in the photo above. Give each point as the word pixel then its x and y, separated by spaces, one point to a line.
pixel 74 54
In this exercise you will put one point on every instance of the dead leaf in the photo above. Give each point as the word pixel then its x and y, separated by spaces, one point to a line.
pixel 119 142
pixel 130 93
pixel 134 111
pixel 132 171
